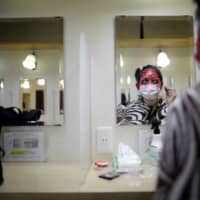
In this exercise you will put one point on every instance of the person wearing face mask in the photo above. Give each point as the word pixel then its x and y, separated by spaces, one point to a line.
pixel 150 107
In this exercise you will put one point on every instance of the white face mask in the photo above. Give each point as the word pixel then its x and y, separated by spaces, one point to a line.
pixel 149 91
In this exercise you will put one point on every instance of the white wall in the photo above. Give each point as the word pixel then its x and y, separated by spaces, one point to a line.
pixel 96 19
pixel 85 108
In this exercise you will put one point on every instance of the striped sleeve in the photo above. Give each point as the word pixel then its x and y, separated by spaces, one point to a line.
pixel 162 111
pixel 120 112
pixel 135 113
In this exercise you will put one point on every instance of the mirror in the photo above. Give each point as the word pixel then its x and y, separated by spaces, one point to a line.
pixel 32 94
pixel 31 66
pixel 138 40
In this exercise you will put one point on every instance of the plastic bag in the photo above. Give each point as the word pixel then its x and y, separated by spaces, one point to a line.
pixel 127 160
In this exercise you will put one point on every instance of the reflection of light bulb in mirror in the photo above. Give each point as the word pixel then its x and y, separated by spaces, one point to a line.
pixel 128 80
pixel 41 82
pixel 25 84
pixel 163 59
pixel 30 62
pixel 121 61
pixel 1 84
pixel 61 82
pixel 121 80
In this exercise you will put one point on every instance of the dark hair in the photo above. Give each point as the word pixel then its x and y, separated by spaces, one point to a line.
pixel 140 70
pixel 123 99
pixel 197 2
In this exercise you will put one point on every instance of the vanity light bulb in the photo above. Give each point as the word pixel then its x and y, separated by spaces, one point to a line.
pixel 162 59
pixel 121 61
pixel 62 83
pixel 30 62
pixel 121 81
pixel 25 84
pixel 128 80
pixel 41 82
pixel 1 84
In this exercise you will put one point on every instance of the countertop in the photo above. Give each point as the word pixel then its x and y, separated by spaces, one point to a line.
pixel 128 182
pixel 64 178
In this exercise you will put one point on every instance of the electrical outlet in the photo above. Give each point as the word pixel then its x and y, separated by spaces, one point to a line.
pixel 104 142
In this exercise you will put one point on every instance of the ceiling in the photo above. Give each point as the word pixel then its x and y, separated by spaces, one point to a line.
pixel 31 33
pixel 154 31
pixel 47 33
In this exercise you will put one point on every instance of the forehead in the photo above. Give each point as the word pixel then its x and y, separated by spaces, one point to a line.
pixel 149 73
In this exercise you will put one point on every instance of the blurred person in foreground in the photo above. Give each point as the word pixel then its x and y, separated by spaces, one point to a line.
pixel 179 165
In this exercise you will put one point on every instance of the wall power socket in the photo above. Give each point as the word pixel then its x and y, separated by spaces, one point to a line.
pixel 104 143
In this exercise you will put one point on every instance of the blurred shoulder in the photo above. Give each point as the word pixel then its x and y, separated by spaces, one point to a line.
pixel 190 96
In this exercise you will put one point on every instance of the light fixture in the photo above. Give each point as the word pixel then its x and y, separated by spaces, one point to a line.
pixel 30 62
pixel 121 80
pixel 121 61
pixel 162 59
pixel 41 82
pixel 61 83
pixel 128 80
pixel 1 83
pixel 25 84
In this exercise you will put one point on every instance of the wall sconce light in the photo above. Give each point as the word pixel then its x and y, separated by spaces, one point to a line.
pixel 128 80
pixel 30 62
pixel 121 61
pixel 1 83
pixel 61 83
pixel 162 59
pixel 41 82
pixel 25 84
pixel 121 80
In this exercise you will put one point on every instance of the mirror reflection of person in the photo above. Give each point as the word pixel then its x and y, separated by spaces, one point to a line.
pixel 150 105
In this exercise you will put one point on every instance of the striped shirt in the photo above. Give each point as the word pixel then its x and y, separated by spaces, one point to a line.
pixel 179 165
pixel 138 112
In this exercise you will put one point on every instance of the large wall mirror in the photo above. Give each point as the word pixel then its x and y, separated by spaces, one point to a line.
pixel 139 39
pixel 31 66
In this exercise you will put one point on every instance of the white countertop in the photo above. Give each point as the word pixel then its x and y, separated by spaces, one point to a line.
pixel 40 177
pixel 143 182
pixel 65 177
